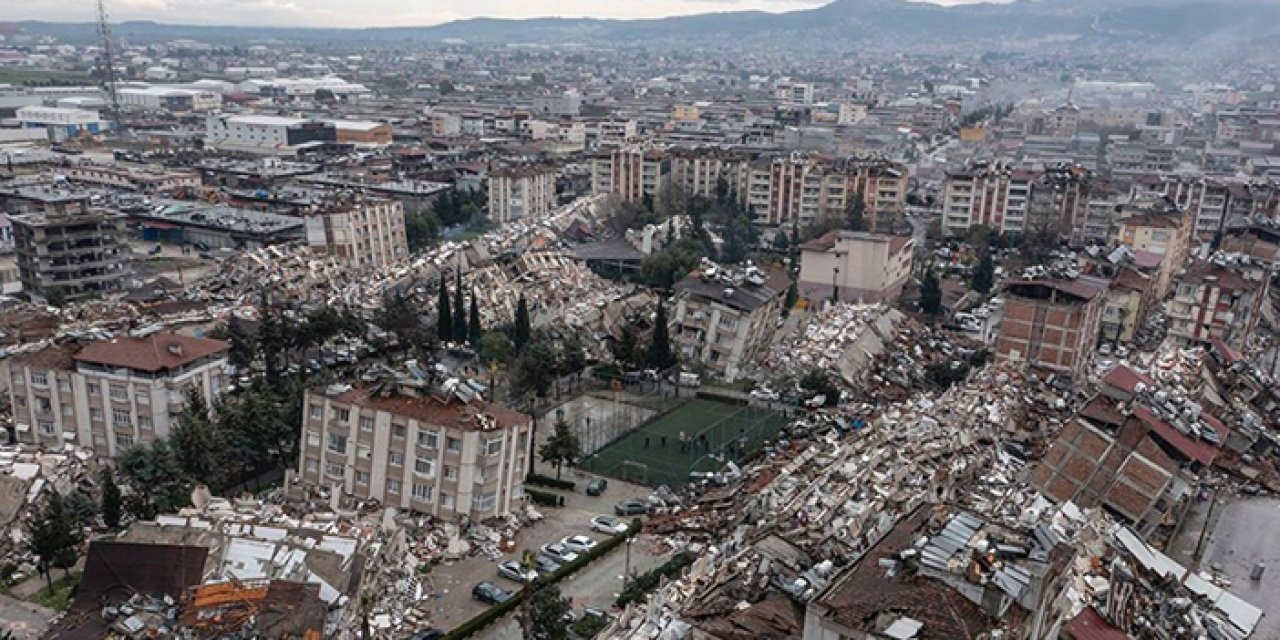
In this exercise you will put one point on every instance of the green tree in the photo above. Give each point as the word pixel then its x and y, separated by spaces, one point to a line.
pixel 198 443
pixel 819 382
pixel 572 357
pixel 444 320
pixel 984 274
pixel 111 499
pixel 51 534
pixel 562 447
pixel 244 347
pixel 930 293
pixel 533 370
pixel 81 508
pixel 789 302
pixel 625 349
pixel 495 346
pixel 856 212
pixel 56 297
pixel 421 229
pixel 473 326
pixel 273 340
pixel 781 242
pixel 156 478
pixel 459 311
pixel 548 611
pixel 523 327
pixel 659 356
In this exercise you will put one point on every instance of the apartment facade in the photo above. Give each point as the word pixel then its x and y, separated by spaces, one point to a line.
pixel 851 265
pixel 109 395
pixel 1206 201
pixel 521 192
pixel 148 180
pixel 1214 300
pixel 363 234
pixel 1051 324
pixel 65 245
pixel 989 195
pixel 722 319
pixel 432 454
pixel 1160 232
pixel 630 173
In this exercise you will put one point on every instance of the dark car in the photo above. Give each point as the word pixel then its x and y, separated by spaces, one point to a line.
pixel 596 487
pixel 631 508
pixel 490 593
pixel 545 564
pixel 427 634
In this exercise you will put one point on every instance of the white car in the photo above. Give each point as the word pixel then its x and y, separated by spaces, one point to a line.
pixel 765 394
pixel 512 570
pixel 560 553
pixel 580 544
pixel 607 525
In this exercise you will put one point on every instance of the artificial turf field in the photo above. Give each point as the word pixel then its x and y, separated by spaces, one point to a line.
pixel 730 431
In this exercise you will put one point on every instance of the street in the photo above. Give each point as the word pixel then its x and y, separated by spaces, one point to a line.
pixel 24 620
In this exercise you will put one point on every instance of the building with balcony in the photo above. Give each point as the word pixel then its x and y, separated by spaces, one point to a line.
pixel 1051 324
pixel 630 173
pixel 63 245
pixel 360 232
pixel 1154 228
pixel 855 266
pixel 521 192
pixel 991 195
pixel 722 319
pixel 1214 299
pixel 109 395
pixel 449 455
pixel 1130 297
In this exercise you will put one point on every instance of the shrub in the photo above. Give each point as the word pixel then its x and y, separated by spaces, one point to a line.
pixel 640 587
pixel 548 481
pixel 545 499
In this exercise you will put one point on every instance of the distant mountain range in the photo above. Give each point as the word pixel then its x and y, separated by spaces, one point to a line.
pixel 1182 25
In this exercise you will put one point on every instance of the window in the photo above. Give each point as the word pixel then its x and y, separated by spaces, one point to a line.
pixel 119 393
pixel 397 430
pixel 363 451
pixel 335 469
pixel 362 478
pixel 453 445
pixel 142 398
pixel 397 459
pixel 317 412
pixel 68 411
pixel 313 465
pixel 393 486
pixel 121 417
pixel 64 386
pixel 95 414
pixel 421 491
pixel 313 439
pixel 366 423
pixel 424 467
pixel 493 447
pixel 342 415
pixel 46 428
pixel 144 422
pixel 39 379
pixel 428 439
pixel 17 377
pixel 450 473
pixel 337 443
pixel 124 440
pixel 446 500
pixel 93 388
pixel 21 401
pixel 43 405
pixel 484 502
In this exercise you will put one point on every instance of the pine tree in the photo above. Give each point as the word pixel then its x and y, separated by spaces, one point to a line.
pixel 52 534
pixel 985 274
pixel 659 355
pixel 197 443
pixel 111 499
pixel 523 329
pixel 930 293
pixel 473 330
pixel 459 311
pixel 563 446
pixel 444 321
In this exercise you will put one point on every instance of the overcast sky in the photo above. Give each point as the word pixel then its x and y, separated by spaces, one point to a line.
pixel 362 13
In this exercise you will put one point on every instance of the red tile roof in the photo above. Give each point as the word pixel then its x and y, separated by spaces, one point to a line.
pixel 156 352
pixel 1125 379
pixel 1091 626
pixel 1201 451
pixel 50 358
pixel 449 412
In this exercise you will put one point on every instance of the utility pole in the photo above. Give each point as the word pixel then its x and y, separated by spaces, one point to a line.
pixel 108 68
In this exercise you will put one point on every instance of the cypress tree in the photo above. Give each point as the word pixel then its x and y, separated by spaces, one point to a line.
pixel 523 330
pixel 474 330
pixel 459 311
pixel 444 321
pixel 660 355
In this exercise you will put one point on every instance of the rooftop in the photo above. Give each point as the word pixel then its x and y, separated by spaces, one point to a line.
pixel 445 411
pixel 154 353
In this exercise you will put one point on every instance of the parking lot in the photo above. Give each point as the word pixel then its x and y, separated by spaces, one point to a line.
pixel 595 586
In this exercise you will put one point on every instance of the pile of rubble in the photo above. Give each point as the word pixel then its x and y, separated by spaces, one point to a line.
pixel 25 478
pixel 844 338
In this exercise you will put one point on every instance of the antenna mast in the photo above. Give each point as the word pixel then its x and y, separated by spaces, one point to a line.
pixel 108 68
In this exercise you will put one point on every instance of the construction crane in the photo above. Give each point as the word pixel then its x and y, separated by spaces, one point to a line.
pixel 108 68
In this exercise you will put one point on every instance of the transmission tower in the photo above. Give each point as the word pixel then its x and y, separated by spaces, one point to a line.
pixel 108 68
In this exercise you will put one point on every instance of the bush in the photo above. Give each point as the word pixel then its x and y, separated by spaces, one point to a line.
pixel 589 626
pixel 545 499
pixel 640 587
pixel 548 481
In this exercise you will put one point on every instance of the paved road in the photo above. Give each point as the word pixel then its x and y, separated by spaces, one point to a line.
pixel 25 620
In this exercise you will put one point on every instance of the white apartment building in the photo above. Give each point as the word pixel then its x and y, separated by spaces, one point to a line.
pixel 855 266
pixel 614 131
pixel 986 195
pixel 722 320
pixel 521 192
pixel 363 234
pixel 629 172
pixel 109 395
pixel 441 455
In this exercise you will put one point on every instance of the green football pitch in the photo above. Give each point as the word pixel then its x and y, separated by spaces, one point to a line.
pixel 714 432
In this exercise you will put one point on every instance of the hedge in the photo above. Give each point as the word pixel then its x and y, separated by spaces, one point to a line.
pixel 548 481
pixel 488 616
pixel 640 587
pixel 545 499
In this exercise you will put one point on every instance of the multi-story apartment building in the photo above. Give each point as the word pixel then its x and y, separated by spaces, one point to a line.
pixel 723 319
pixel 801 190
pixel 148 180
pixel 361 232
pixel 109 395
pixel 1060 202
pixel 629 172
pixel 1156 229
pixel 699 172
pixel 449 455
pixel 1213 299
pixel 1051 324
pixel 850 265
pixel 988 194
pixel 64 245
pixel 521 192
pixel 1129 298
pixel 1205 200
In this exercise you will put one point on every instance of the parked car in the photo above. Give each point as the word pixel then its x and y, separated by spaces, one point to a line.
pixel 631 508
pixel 154 250
pixel 608 524
pixel 545 564
pixel 765 394
pixel 559 552
pixel 512 570
pixel 597 486
pixel 578 544
pixel 490 593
